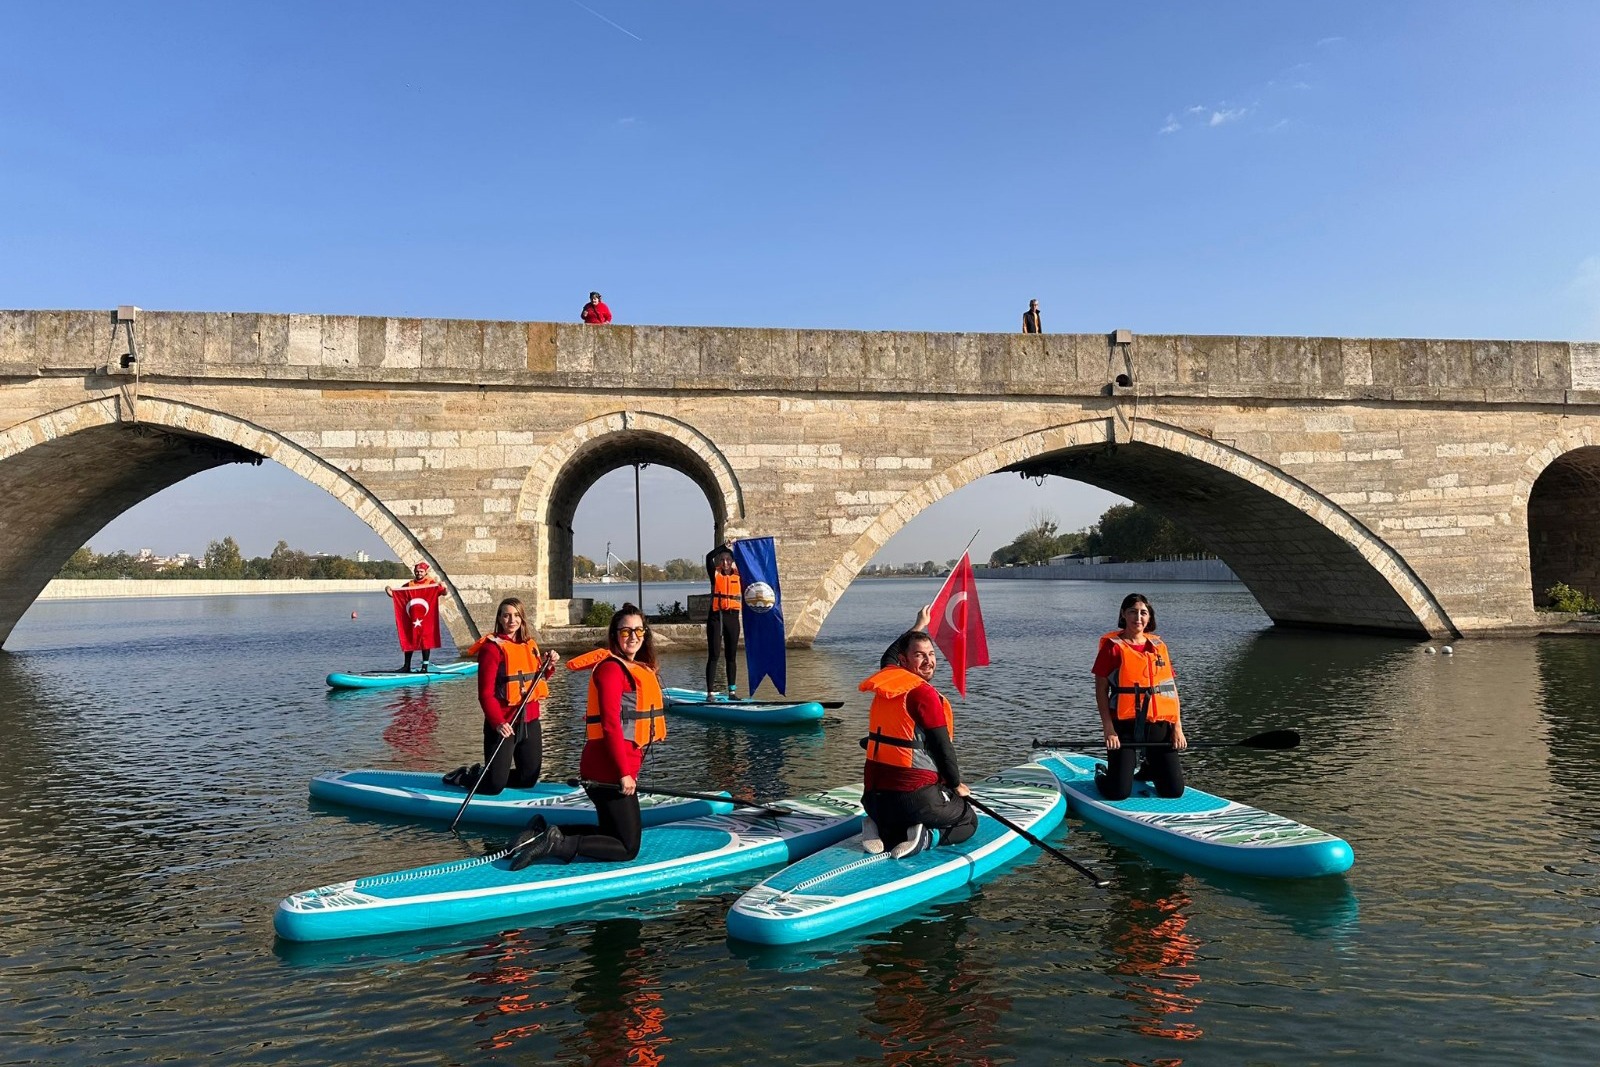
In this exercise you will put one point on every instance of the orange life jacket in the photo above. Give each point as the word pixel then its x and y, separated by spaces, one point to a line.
pixel 725 593
pixel 1142 677
pixel 643 719
pixel 518 668
pixel 893 736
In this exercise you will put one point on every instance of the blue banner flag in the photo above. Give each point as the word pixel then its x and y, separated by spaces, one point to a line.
pixel 757 560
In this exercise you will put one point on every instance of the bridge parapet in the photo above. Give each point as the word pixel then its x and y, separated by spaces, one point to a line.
pixel 399 351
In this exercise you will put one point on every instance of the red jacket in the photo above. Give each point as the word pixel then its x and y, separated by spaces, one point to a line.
pixel 595 314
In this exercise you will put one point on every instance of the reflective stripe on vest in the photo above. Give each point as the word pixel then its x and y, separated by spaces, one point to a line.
pixel 1142 678
pixel 643 719
pixel 725 594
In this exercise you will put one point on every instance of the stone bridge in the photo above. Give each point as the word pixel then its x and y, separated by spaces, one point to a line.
pixel 1425 487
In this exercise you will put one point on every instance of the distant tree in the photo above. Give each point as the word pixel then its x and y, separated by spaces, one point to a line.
pixel 223 559
pixel 929 567
pixel 583 567
pixel 684 570
pixel 1135 532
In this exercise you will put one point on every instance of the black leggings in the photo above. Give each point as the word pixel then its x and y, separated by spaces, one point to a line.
pixel 1166 773
pixel 722 639
pixel 616 835
pixel 525 748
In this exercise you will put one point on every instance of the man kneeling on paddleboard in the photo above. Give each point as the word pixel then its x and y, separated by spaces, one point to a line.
pixel 911 788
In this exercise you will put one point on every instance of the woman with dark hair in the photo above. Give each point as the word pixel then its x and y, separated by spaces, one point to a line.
pixel 511 683
pixel 623 720
pixel 1137 695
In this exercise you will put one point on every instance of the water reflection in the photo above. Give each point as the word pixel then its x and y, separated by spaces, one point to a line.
pixel 413 724
pixel 931 1003
pixel 619 995
pixel 1153 955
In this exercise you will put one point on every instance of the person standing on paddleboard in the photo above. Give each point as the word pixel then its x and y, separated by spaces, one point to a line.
pixel 1137 696
pixel 911 786
pixel 419 577
pixel 722 622
pixel 511 683
pixel 625 717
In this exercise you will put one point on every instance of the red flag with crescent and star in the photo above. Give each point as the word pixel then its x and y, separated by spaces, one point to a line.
pixel 956 625
pixel 416 616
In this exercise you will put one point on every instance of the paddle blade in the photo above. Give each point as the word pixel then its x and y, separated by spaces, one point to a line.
pixel 1272 739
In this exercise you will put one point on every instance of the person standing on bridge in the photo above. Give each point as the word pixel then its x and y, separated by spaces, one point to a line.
pixel 1031 323
pixel 595 312
pixel 722 621
pixel 420 578
pixel 1137 696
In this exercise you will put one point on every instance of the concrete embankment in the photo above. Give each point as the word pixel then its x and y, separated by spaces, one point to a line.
pixel 1177 570
pixel 116 588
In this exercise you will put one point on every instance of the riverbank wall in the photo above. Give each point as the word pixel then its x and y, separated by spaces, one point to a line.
pixel 117 588
pixel 1175 570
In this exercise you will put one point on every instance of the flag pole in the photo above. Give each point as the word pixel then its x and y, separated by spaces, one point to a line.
pixel 952 573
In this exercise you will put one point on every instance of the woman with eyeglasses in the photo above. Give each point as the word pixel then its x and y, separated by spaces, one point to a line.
pixel 624 719
pixel 1137 695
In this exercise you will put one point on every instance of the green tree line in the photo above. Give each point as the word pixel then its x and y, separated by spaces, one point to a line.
pixel 1130 532
pixel 674 570
pixel 224 560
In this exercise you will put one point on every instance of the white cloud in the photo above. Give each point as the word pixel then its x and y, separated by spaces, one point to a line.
pixel 1232 114
pixel 1328 42
pixel 1172 126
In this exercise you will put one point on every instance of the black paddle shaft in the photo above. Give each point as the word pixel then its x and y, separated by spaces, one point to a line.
pixel 1272 740
pixel 1100 883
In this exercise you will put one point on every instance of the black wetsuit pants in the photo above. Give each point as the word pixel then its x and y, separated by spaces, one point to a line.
pixel 936 807
pixel 1166 773
pixel 524 748
pixel 615 835
pixel 722 639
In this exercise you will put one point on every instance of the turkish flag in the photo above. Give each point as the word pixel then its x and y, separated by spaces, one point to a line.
pixel 957 624
pixel 416 616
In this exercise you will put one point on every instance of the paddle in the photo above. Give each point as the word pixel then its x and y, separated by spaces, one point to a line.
pixel 664 792
pixel 515 717
pixel 1272 740
pixel 1100 883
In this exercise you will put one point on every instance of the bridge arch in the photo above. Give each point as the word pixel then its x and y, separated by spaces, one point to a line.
pixel 570 465
pixel 1558 491
pixel 1305 559
pixel 106 461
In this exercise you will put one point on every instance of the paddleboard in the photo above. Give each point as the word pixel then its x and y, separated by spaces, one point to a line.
pixel 436 672
pixel 464 891
pixel 844 887
pixel 422 795
pixel 695 702
pixel 1200 827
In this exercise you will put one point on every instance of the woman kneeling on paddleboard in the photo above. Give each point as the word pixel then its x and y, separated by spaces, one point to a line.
pixel 511 683
pixel 1137 695
pixel 623 720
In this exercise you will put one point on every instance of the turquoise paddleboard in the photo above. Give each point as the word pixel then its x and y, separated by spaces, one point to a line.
pixel 422 795
pixel 436 672
pixel 844 887
pixel 695 702
pixel 464 891
pixel 1200 827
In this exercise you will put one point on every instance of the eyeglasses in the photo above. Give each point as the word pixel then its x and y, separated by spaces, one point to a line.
pixel 630 631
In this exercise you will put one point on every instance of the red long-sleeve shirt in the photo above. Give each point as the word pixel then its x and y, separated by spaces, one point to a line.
pixel 614 754
pixel 596 314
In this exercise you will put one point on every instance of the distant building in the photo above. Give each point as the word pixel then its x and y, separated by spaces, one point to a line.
pixel 362 557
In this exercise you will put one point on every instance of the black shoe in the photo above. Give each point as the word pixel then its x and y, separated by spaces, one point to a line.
pixel 534 843
pixel 457 777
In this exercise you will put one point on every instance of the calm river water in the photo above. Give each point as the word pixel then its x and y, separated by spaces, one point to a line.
pixel 153 811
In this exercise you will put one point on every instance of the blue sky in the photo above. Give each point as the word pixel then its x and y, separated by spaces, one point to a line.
pixel 1410 169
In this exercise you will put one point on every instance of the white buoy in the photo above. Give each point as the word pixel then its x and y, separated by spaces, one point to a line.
pixel 1447 650
pixel 1429 650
